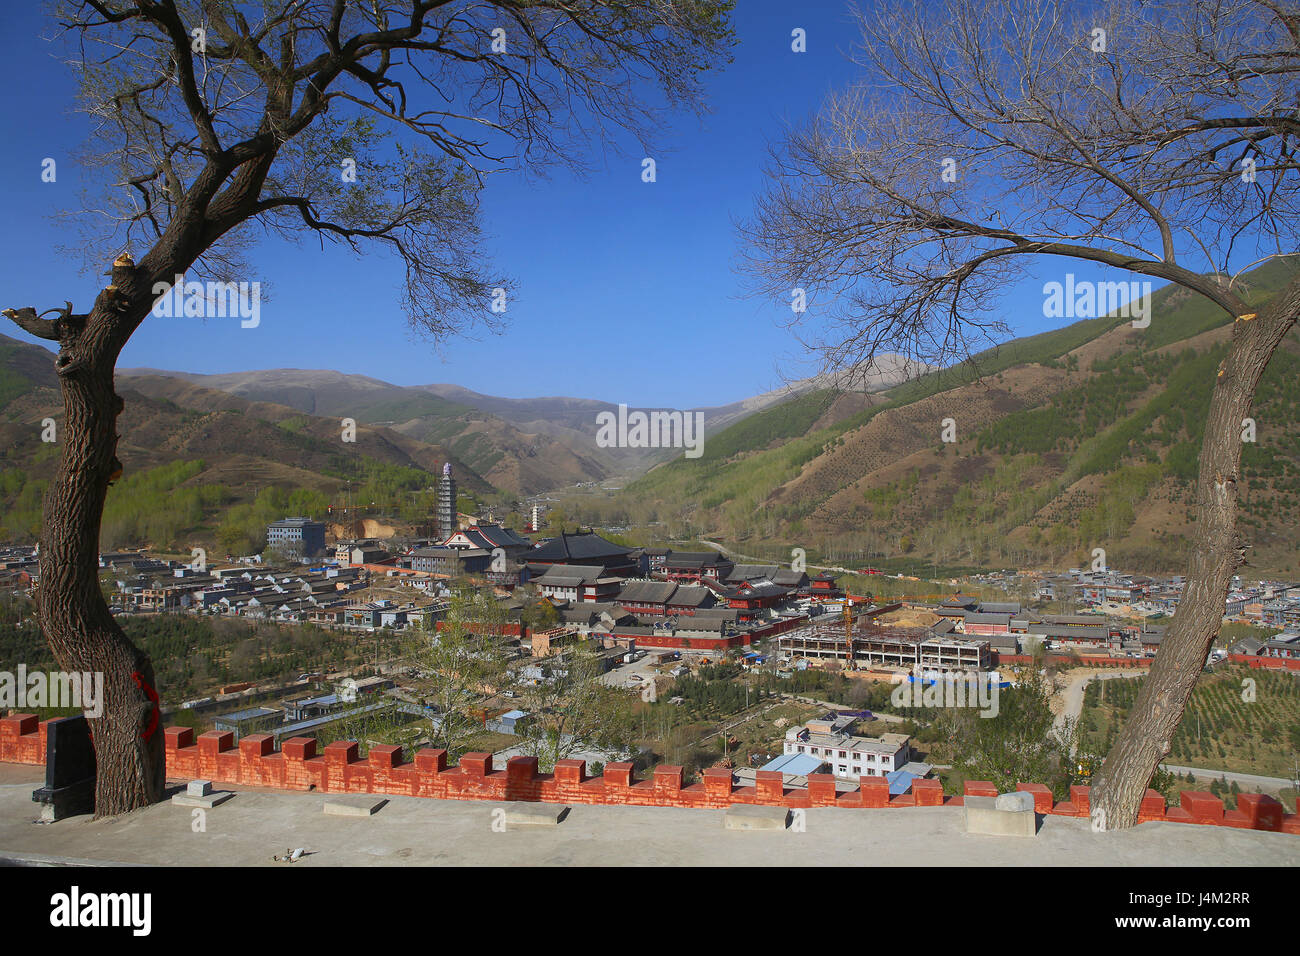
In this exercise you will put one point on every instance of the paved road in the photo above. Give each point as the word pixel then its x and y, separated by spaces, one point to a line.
pixel 750 558
pixel 1203 775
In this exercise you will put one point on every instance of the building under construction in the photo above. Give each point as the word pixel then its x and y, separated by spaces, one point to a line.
pixel 862 643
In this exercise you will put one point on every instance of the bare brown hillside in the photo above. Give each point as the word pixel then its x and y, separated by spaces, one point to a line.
pixel 890 488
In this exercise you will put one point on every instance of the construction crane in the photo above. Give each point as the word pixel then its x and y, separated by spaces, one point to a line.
pixel 848 632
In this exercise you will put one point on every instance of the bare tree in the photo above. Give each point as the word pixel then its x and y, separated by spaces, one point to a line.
pixel 210 129
pixel 570 709
pixel 462 663
pixel 1156 137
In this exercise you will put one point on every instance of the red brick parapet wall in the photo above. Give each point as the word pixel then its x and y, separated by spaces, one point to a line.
pixel 1268 663
pixel 22 739
pixel 297 766
pixel 1075 661
pixel 1271 663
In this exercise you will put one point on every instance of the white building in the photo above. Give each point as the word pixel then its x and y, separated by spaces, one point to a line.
pixel 832 740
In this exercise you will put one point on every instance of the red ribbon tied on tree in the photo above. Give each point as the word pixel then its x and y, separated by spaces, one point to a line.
pixel 153 696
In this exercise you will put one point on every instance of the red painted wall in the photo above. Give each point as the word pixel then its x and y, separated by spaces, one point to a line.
pixel 298 766
pixel 1270 663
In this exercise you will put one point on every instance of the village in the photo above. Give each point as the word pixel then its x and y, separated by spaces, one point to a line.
pixel 643 619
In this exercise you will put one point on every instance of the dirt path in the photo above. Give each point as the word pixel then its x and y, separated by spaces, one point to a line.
pixel 1068 701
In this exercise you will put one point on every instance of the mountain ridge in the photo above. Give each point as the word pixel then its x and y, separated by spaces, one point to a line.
pixel 524 446
pixel 1081 437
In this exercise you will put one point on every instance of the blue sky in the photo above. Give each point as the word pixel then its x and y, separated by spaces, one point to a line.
pixel 626 291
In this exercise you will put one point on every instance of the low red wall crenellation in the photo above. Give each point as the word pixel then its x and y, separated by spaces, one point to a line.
pixel 298 765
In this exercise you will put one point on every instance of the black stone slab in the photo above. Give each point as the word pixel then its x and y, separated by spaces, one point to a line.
pixel 69 769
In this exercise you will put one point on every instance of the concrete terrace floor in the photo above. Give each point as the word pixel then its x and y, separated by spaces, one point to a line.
pixel 410 831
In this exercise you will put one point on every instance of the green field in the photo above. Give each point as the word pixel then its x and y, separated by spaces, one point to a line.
pixel 1220 730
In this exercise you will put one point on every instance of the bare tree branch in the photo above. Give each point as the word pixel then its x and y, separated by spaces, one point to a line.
pixel 1138 134
pixel 27 320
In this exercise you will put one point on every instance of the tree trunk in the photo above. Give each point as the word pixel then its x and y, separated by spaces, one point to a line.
pixel 1217 552
pixel 73 614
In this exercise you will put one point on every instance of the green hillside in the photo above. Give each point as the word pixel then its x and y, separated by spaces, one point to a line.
pixel 1177 315
pixel 212 476
pixel 1068 455
pixel 415 406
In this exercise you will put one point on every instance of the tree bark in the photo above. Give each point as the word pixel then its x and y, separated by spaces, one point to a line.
pixel 73 614
pixel 1217 552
